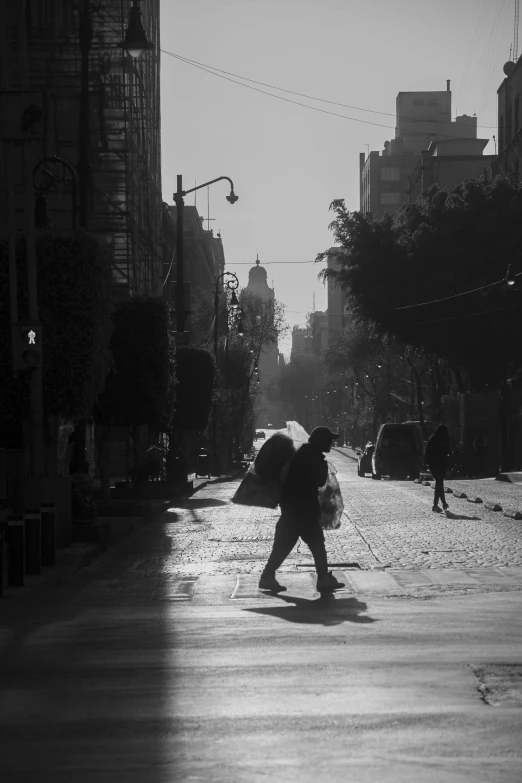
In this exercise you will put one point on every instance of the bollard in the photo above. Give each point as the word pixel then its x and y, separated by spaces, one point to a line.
pixel 48 533
pixel 16 541
pixel 33 524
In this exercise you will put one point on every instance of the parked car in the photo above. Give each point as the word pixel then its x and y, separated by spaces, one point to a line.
pixel 364 463
pixel 399 451
pixel 260 434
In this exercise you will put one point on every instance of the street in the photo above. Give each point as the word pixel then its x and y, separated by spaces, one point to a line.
pixel 161 661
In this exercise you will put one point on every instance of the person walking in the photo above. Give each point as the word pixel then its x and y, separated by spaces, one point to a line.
pixel 301 513
pixel 438 450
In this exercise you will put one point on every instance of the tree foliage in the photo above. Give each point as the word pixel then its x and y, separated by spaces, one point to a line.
pixel 74 301
pixel 445 245
pixel 140 389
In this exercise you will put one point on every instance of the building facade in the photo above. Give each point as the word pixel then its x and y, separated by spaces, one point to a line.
pixel 508 160
pixel 204 256
pixel 100 114
pixel 447 163
pixel 422 119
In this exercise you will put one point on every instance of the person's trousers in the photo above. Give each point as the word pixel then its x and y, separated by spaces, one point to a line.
pixel 287 533
pixel 439 491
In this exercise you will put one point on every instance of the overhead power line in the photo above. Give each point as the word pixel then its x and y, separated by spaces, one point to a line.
pixel 470 315
pixel 447 298
pixel 220 73
pixel 249 263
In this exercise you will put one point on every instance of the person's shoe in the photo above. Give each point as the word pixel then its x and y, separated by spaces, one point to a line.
pixel 270 583
pixel 328 583
pixel 437 509
pixel 445 506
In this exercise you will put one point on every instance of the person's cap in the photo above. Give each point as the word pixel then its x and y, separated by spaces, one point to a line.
pixel 322 435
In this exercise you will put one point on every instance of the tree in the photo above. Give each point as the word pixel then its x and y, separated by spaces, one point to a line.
pixel 445 245
pixel 140 389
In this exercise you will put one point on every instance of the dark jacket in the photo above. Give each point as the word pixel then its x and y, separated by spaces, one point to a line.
pixel 308 470
pixel 437 455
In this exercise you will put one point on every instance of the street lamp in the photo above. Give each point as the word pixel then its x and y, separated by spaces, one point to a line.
pixel 178 200
pixel 135 41
pixel 230 282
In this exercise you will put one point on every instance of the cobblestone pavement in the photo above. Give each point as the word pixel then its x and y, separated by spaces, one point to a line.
pixel 388 530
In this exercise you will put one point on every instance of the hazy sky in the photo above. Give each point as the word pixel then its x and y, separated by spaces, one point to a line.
pixel 289 162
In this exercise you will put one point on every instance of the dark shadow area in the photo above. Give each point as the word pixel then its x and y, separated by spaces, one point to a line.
pixel 203 503
pixel 451 515
pixel 170 516
pixel 325 610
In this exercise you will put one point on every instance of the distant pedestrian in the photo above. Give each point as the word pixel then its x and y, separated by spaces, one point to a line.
pixel 301 513
pixel 437 455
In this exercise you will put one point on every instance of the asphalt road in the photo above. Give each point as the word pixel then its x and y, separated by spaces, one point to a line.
pixel 162 661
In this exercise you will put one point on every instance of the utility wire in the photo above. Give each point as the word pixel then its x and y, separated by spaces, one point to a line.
pixel 454 296
pixel 214 72
pixel 470 315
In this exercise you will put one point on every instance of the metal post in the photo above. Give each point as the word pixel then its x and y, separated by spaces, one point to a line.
pixel 180 282
pixel 11 213
pixel 214 457
pixel 36 375
pixel 412 395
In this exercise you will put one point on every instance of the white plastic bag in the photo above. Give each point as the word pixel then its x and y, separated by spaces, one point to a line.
pixel 331 501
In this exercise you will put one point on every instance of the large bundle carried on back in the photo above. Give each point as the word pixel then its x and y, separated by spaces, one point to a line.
pixel 262 483
pixel 273 456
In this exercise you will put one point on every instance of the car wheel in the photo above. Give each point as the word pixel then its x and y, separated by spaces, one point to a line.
pixel 376 476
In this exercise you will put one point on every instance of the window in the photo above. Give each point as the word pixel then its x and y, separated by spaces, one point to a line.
pixel 390 198
pixel 389 174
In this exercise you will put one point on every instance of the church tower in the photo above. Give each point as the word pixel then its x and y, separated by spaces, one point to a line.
pixel 268 361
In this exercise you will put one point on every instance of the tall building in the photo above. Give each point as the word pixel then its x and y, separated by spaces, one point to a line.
pixel 336 298
pixel 100 113
pixel 423 123
pixel 509 122
pixel 204 257
pixel 269 358
pixel 301 342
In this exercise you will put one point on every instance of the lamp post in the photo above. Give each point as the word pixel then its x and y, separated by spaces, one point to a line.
pixel 180 297
pixel 230 282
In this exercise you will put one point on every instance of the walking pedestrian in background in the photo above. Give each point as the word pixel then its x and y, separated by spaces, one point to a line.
pixel 301 513
pixel 437 455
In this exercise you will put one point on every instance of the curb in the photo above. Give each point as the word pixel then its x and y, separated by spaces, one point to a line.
pixel 513 513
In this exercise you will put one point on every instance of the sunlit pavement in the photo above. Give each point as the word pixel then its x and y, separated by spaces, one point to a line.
pixel 162 661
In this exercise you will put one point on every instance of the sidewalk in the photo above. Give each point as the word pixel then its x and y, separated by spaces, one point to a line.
pixel 106 532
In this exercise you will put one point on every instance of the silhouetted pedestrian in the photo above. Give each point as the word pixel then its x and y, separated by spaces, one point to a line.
pixel 301 513
pixel 437 455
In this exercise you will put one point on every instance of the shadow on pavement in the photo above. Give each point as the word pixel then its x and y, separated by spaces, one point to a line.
pixel 451 515
pixel 204 503
pixel 325 610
